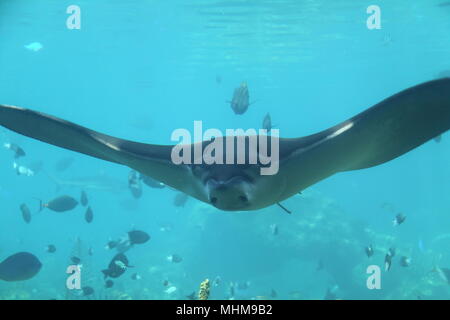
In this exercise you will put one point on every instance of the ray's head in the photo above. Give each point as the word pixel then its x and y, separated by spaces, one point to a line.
pixel 227 188
pixel 231 194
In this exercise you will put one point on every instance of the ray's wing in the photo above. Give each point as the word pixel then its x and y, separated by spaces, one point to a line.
pixel 55 131
pixel 152 160
pixel 398 124
pixel 383 132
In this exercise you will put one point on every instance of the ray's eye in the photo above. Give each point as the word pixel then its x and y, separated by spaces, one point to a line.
pixel 213 200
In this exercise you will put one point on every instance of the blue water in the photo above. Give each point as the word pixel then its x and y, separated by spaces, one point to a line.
pixel 141 69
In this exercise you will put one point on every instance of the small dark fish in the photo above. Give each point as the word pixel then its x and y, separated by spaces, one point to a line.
pixel 165 283
pixel 136 276
pixel 60 204
pixel 240 101
pixel 369 251
pixel 218 79
pixel 138 237
pixel 117 266
pixel 50 248
pixel 267 123
pixel 152 183
pixel 399 219
pixel 18 151
pixel 134 184
pixel 89 215
pixel 75 260
pixel 111 245
pixel 19 267
pixel 387 262
pixel 180 199
pixel 87 291
pixel 84 199
pixel 192 296
pixel 26 214
pixel 63 164
pixel 405 261
pixel 444 4
pixel 174 258
pixel 109 283
pixel 90 251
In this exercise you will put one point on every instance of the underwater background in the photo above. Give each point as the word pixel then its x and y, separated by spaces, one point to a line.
pixel 141 69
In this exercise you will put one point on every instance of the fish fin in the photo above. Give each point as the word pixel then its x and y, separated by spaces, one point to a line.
pixel 152 160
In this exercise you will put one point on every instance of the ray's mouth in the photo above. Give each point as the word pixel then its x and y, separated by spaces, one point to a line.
pixel 242 200
pixel 231 194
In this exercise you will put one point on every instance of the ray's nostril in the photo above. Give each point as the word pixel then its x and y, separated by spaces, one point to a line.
pixel 213 200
